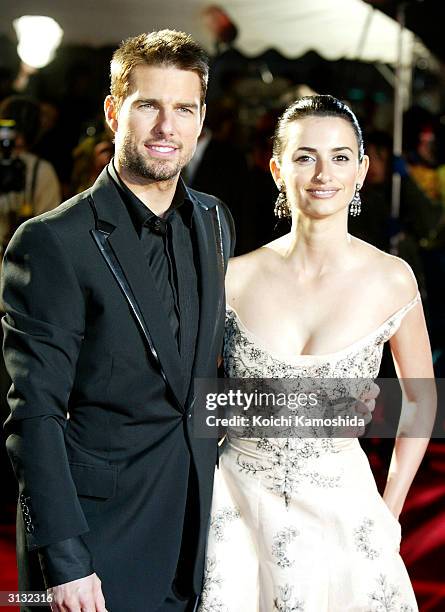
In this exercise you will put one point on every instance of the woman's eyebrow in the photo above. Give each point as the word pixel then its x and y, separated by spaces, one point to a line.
pixel 312 150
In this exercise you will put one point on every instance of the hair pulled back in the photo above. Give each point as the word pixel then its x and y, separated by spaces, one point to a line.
pixel 315 106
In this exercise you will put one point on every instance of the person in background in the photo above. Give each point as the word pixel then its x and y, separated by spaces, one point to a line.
pixel 41 191
pixel 219 166
pixel 90 158
pixel 420 146
pixel 419 215
pixel 53 144
pixel 260 225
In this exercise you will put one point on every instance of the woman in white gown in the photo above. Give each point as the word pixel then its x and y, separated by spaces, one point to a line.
pixel 297 524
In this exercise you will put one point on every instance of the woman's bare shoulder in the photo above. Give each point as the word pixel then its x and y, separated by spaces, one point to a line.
pixel 249 268
pixel 392 273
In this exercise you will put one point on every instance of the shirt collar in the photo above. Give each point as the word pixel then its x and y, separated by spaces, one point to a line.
pixel 141 214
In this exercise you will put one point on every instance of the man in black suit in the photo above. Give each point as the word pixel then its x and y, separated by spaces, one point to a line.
pixel 114 305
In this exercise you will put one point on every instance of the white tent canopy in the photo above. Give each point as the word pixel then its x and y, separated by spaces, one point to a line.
pixel 349 29
pixel 335 29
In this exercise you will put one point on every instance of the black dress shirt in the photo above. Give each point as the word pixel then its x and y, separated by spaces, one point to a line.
pixel 168 246
pixel 170 253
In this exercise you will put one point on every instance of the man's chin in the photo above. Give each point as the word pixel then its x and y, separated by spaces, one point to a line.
pixel 167 175
pixel 157 173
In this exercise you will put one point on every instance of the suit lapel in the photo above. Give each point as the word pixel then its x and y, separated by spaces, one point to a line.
pixel 118 243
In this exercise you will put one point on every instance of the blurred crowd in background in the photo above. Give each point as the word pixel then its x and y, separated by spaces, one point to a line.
pixel 64 144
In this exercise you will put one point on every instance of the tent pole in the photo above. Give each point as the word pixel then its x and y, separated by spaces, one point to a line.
pixel 399 103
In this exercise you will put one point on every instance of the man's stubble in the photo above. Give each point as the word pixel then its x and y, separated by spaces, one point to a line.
pixel 150 169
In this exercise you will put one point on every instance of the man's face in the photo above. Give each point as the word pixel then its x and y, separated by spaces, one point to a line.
pixel 158 124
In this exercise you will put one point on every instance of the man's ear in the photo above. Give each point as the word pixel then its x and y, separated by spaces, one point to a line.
pixel 203 115
pixel 275 170
pixel 111 113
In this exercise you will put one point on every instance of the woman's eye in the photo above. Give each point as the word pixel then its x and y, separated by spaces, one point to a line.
pixel 304 158
pixel 341 158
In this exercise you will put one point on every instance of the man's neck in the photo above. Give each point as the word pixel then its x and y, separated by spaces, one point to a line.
pixel 156 195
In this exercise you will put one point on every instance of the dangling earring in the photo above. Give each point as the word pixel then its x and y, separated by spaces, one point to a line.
pixel 355 205
pixel 281 209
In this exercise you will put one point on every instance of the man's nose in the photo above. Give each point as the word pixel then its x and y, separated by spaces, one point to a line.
pixel 165 124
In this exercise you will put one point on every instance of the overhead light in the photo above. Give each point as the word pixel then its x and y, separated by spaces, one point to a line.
pixel 38 39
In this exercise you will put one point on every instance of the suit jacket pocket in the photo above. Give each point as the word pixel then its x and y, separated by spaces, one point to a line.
pixel 93 480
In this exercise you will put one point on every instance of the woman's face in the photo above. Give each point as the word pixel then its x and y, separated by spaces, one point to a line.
pixel 319 165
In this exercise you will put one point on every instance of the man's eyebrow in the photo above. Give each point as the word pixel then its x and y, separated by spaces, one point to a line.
pixel 187 104
pixel 157 102
pixel 151 100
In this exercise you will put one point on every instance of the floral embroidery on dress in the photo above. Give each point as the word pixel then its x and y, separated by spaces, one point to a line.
pixel 386 598
pixel 326 482
pixel 210 601
pixel 285 602
pixel 286 460
pixel 363 541
pixel 243 358
pixel 220 521
pixel 280 543
pixel 275 483
pixel 286 465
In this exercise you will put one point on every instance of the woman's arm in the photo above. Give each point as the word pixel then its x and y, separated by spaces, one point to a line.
pixel 411 352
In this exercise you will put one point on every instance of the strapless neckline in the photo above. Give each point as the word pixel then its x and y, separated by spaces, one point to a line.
pixel 393 320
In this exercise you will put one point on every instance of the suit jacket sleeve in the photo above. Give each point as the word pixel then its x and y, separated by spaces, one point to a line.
pixel 65 561
pixel 43 329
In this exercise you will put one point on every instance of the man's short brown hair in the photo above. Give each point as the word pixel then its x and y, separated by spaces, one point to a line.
pixel 168 48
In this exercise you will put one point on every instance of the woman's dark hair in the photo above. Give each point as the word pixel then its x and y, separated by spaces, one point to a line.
pixel 315 106
pixel 25 112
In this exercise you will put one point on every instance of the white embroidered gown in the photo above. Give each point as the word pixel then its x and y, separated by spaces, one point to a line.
pixel 297 524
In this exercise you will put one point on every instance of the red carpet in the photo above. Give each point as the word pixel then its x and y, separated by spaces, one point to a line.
pixel 8 580
pixel 423 543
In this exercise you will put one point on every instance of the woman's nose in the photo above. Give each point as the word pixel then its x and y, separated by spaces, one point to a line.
pixel 321 173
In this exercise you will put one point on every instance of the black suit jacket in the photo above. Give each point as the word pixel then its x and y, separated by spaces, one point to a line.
pixel 86 337
pixel 223 171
